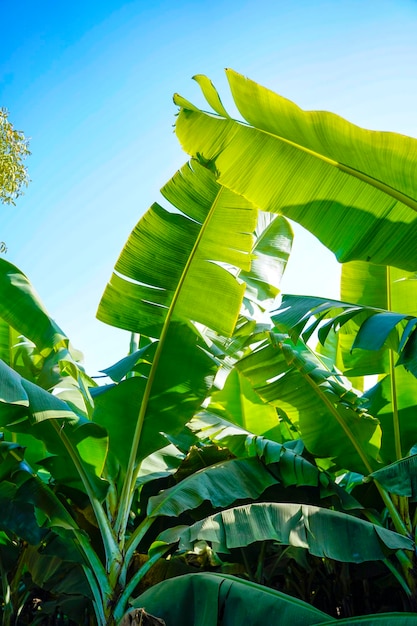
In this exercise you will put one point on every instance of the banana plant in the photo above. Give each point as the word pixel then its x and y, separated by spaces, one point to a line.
pixel 181 270
pixel 190 283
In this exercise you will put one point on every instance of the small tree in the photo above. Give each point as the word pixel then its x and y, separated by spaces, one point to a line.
pixel 13 151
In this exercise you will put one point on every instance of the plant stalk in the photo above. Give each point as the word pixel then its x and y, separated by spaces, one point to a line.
pixel 110 546
pixel 403 501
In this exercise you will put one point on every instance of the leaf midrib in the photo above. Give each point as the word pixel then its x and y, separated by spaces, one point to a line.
pixel 130 480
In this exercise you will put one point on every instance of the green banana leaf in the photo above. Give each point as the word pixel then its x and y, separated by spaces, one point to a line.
pixel 273 242
pixel 25 500
pixel 323 532
pixel 177 267
pixel 291 468
pixel 399 477
pixel 221 485
pixel 209 599
pixel 331 420
pixel 362 337
pixel 21 308
pixel 30 410
pixel 172 262
pixel 360 327
pixel 354 189
pixel 387 288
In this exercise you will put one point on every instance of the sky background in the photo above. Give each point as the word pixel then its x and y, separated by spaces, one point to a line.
pixel 91 84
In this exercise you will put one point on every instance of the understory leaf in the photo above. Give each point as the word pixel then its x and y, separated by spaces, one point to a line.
pixel 205 598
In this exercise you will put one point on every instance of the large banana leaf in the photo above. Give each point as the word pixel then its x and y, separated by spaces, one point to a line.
pixel 172 262
pixel 366 328
pixel 323 532
pixel 291 467
pixel 221 485
pixel 210 599
pixel 354 189
pixel 177 268
pixel 361 336
pixel 331 420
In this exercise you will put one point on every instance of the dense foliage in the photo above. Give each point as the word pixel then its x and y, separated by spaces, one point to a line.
pixel 224 461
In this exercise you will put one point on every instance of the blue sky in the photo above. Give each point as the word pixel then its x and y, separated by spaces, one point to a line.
pixel 91 84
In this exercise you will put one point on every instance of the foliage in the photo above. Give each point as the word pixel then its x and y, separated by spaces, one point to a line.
pixel 13 151
pixel 224 444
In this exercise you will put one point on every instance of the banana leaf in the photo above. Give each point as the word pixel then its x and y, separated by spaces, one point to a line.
pixel 177 267
pixel 21 308
pixel 353 188
pixel 399 477
pixel 331 420
pixel 209 599
pixel 386 288
pixel 173 262
pixel 221 485
pixel 323 532
pixel 27 506
pixel 30 410
pixel 290 466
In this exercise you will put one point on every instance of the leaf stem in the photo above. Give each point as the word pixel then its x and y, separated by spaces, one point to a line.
pixel 110 546
pixel 98 603
pixel 403 501
pixel 132 544
pixel 134 581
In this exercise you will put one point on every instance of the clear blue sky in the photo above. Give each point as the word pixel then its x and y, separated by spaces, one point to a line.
pixel 91 84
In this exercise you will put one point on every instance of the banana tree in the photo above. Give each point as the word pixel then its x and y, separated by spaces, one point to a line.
pixel 180 269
